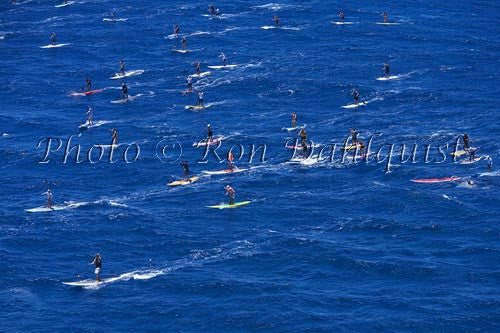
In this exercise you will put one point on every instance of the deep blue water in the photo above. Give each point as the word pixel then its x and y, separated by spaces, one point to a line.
pixel 325 247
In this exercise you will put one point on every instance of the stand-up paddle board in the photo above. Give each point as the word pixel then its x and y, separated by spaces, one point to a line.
pixel 341 23
pixel 202 74
pixel 45 209
pixel 471 162
pixel 183 181
pixel 173 36
pixel 196 107
pixel 64 4
pixel 353 106
pixel 223 172
pixel 126 100
pixel 181 51
pixel 127 74
pixel 86 93
pixel 300 147
pixel 290 129
pixel 266 27
pixel 91 283
pixel 223 66
pixel 459 153
pixel 351 147
pixel 436 180
pixel 212 142
pixel 387 23
pixel 236 204
pixel 114 20
pixel 387 78
pixel 187 91
pixel 51 46
pixel 87 125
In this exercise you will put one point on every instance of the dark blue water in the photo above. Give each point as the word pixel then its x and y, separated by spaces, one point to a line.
pixel 323 246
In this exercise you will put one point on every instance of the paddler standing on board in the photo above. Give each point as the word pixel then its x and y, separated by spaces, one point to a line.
pixel 198 67
pixel 88 83
pixel 125 91
pixel 303 135
pixel 90 119
pixel 465 140
pixel 176 30
pixel 199 102
pixel 114 136
pixel 98 263
pixel 342 16
pixel 472 155
pixel 185 166
pixel 303 142
pixel 223 58
pixel 294 119
pixel 387 70
pixel 276 20
pixel 53 38
pixel 210 134
pixel 361 149
pixel 230 160
pixel 49 199
pixel 355 94
pixel 490 164
pixel 122 67
pixel 385 17
pixel 354 136
pixel 183 41
pixel 231 192
pixel 189 84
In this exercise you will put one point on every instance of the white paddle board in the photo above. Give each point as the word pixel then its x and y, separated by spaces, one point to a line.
pixel 387 78
pixel 223 172
pixel 52 46
pixel 202 74
pixel 127 74
pixel 114 20
pixel 222 66
pixel 353 106
pixel 65 4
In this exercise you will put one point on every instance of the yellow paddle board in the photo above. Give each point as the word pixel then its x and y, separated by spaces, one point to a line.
pixel 184 181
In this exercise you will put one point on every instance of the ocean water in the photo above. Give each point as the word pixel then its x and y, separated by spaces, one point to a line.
pixel 324 246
